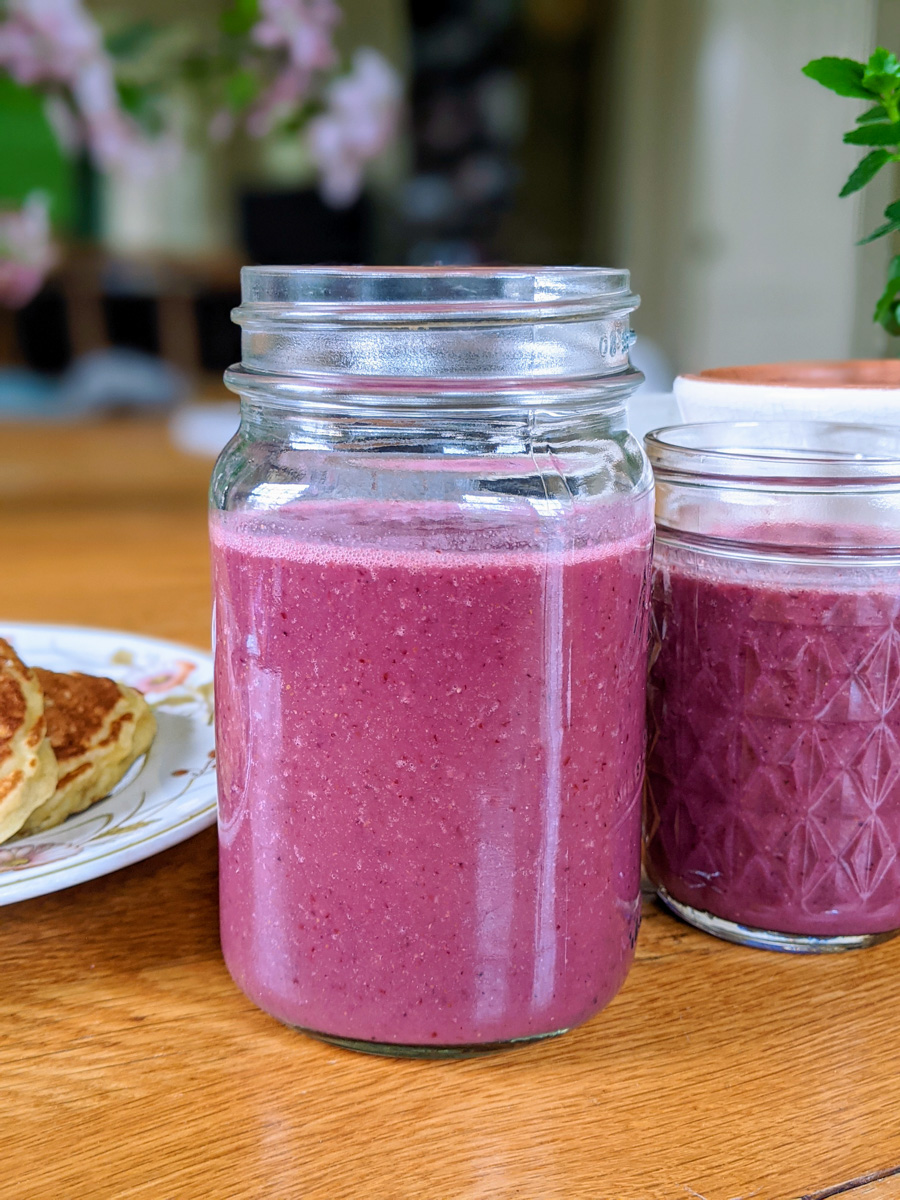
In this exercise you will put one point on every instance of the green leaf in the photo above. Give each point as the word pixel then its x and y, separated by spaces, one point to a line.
pixel 142 101
pixel 882 72
pixel 301 115
pixel 886 315
pixel 872 114
pixel 886 308
pixel 881 231
pixel 867 169
pixel 874 135
pixel 240 17
pixel 199 68
pixel 892 225
pixel 883 62
pixel 129 95
pixel 841 75
pixel 242 88
pixel 132 40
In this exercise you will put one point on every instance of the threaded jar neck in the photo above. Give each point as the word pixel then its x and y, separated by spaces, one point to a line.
pixel 449 338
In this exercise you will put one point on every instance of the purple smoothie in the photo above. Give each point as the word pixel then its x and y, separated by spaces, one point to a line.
pixel 774 765
pixel 430 764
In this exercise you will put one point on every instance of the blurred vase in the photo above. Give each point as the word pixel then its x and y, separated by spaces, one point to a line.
pixel 183 210
pixel 861 390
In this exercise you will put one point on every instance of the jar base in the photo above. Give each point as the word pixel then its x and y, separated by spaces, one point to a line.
pixel 764 939
pixel 402 1050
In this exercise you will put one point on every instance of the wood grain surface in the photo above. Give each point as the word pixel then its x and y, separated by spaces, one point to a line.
pixel 131 1067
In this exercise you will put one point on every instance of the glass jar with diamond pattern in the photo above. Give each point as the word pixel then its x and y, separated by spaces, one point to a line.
pixel 772 812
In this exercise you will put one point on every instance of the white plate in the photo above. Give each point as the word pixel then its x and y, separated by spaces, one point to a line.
pixel 167 796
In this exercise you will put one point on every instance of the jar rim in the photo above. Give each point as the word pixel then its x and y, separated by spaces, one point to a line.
pixel 800 453
pixel 380 295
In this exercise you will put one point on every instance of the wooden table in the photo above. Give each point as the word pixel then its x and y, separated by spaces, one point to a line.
pixel 130 1066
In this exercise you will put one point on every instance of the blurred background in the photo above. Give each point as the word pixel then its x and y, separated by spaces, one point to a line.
pixel 148 148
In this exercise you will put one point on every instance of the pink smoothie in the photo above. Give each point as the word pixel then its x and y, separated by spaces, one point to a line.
pixel 774 769
pixel 430 764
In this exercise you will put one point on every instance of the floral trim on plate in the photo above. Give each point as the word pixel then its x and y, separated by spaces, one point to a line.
pixel 167 796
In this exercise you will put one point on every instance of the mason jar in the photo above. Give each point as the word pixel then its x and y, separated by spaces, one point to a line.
pixel 431 540
pixel 773 776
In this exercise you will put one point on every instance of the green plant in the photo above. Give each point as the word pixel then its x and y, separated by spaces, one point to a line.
pixel 878 127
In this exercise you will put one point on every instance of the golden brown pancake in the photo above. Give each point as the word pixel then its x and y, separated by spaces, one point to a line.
pixel 97 728
pixel 27 765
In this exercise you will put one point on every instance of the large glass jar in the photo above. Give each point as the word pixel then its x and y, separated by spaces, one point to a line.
pixel 431 541
pixel 773 776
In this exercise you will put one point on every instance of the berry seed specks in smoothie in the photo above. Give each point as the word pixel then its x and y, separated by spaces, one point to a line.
pixel 430 764
pixel 774 771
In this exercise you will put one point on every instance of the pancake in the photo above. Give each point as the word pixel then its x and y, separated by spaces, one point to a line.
pixel 27 763
pixel 96 728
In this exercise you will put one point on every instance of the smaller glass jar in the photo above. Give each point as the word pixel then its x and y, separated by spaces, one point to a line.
pixel 772 813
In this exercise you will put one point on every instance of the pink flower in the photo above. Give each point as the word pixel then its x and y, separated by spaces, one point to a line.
pixel 35 854
pixel 108 131
pixel 287 90
pixel 26 251
pixel 56 42
pixel 166 679
pixel 363 109
pixel 114 139
pixel 303 28
pixel 47 40
pixel 64 122
pixel 18 284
